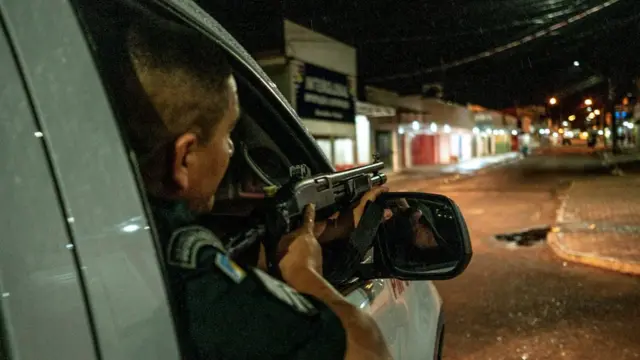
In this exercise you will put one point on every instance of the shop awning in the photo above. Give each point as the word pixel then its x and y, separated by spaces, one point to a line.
pixel 373 110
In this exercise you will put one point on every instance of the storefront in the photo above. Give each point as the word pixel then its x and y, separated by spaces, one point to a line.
pixel 317 74
pixel 376 133
pixel 481 142
pixel 325 101
pixel 495 133
pixel 441 135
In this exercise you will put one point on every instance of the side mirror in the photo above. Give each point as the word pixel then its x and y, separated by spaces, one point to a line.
pixel 422 237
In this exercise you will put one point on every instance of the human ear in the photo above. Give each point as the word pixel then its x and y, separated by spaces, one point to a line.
pixel 183 149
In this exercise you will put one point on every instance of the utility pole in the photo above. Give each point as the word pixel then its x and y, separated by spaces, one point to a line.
pixel 611 109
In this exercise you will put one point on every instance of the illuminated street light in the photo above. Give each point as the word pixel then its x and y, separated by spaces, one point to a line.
pixel 589 109
pixel 572 117
pixel 553 101
pixel 576 63
pixel 588 102
pixel 597 112
pixel 565 123
pixel 592 116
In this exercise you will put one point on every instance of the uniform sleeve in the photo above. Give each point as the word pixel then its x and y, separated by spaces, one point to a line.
pixel 243 313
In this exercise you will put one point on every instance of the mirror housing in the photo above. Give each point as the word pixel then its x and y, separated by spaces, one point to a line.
pixel 422 237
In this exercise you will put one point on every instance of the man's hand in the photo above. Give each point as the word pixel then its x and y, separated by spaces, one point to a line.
pixel 342 224
pixel 300 249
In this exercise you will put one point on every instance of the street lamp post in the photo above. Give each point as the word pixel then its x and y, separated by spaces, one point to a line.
pixel 609 106
pixel 611 109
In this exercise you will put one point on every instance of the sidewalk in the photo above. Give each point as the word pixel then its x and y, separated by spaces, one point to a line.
pixel 598 224
pixel 467 167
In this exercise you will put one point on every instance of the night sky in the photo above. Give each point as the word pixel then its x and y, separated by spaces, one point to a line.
pixel 496 53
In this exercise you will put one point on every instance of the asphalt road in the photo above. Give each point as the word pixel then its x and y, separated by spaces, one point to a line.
pixel 523 302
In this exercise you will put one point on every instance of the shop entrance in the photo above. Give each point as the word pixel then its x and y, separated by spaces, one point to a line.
pixel 384 147
pixel 326 146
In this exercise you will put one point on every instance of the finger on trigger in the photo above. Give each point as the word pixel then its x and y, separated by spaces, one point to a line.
pixel 319 228
pixel 310 217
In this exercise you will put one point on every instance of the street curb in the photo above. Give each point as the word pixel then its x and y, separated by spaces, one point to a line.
pixel 554 241
pixel 606 263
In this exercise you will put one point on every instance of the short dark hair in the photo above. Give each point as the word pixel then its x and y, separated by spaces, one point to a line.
pixel 181 78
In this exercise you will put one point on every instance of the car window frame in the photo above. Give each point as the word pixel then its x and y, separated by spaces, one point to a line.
pixel 49 246
pixel 246 66
pixel 70 101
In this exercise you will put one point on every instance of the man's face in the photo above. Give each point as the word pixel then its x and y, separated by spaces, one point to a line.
pixel 203 165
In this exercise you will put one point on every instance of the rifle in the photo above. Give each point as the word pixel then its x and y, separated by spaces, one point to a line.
pixel 284 206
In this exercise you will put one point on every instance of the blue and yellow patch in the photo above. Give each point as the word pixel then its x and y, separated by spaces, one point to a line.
pixel 230 268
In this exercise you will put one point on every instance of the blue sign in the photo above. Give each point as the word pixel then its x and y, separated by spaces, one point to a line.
pixel 324 94
pixel 621 114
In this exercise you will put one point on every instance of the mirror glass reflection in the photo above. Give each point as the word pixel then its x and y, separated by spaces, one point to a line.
pixel 421 234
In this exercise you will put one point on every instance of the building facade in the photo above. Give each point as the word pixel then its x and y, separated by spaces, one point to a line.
pixel 317 74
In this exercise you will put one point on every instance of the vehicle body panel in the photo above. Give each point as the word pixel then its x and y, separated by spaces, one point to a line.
pixel 42 303
pixel 407 313
pixel 100 197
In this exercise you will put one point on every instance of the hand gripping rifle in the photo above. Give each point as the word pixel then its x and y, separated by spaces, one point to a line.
pixel 284 207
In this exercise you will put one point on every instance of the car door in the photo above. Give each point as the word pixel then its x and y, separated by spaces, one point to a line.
pixel 43 313
pixel 123 287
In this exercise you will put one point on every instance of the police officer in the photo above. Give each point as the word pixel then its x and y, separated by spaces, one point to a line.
pixel 181 107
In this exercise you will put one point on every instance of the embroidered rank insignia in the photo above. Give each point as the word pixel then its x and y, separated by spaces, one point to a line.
pixel 185 244
pixel 230 268
pixel 286 294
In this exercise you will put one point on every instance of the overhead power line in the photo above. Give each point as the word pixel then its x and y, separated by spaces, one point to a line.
pixel 503 48
pixel 538 20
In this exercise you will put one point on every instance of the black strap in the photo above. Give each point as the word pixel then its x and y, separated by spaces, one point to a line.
pixel 362 237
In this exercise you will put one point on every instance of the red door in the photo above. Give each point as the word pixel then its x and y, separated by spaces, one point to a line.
pixel 514 142
pixel 423 149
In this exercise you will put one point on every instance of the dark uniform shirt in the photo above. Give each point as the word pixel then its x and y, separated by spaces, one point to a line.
pixel 226 311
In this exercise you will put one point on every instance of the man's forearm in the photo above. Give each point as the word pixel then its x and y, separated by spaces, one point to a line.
pixel 364 339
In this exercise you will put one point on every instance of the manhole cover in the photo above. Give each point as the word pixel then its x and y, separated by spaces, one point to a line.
pixel 525 238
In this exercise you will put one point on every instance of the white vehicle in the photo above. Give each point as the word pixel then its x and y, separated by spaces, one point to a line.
pixel 80 275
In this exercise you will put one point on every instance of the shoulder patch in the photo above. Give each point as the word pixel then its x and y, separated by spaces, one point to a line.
pixel 230 268
pixel 286 294
pixel 186 242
